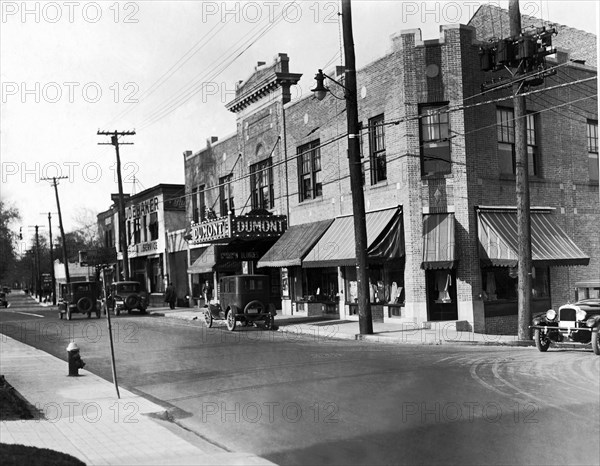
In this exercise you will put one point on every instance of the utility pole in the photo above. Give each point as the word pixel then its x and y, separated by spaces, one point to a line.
pixel 38 275
pixel 358 200
pixel 60 224
pixel 114 141
pixel 522 189
pixel 523 56
pixel 52 260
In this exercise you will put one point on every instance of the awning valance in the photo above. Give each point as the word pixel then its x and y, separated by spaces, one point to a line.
pixel 290 249
pixel 550 245
pixel 337 246
pixel 439 245
pixel 205 262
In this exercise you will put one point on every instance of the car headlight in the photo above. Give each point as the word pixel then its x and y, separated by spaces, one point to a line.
pixel 550 314
pixel 591 322
pixel 580 314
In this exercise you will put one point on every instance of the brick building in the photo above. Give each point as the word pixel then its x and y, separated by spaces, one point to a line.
pixel 439 186
pixel 149 215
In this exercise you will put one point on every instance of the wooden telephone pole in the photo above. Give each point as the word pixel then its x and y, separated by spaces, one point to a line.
pixel 60 224
pixel 114 141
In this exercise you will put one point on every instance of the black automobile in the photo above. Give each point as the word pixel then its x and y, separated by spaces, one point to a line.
pixel 126 296
pixel 244 299
pixel 578 322
pixel 3 300
pixel 78 297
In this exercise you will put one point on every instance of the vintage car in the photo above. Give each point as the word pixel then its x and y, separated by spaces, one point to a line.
pixel 78 297
pixel 126 296
pixel 578 322
pixel 3 300
pixel 244 299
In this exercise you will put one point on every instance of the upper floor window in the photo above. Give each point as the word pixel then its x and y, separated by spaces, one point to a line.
pixel 377 149
pixel 261 185
pixel 202 202
pixel 505 124
pixel 226 195
pixel 153 226
pixel 309 170
pixel 136 230
pixel 592 144
pixel 435 142
pixel 195 214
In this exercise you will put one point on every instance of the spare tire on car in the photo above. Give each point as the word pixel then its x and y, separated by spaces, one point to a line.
pixel 132 301
pixel 84 305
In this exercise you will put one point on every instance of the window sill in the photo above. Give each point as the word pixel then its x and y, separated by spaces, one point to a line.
pixel 311 201
pixel 437 176
pixel 381 184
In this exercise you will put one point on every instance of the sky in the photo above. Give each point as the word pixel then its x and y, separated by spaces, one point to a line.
pixel 166 69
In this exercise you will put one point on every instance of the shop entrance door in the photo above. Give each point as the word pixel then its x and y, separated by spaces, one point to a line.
pixel 441 295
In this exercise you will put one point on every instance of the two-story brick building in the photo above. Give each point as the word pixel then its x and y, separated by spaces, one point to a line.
pixel 439 185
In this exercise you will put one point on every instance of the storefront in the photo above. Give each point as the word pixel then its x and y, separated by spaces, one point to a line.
pixel 334 256
pixel 439 263
pixel 233 245
pixel 498 252
pixel 302 292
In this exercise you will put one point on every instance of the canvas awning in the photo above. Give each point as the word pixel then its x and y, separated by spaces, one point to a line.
pixel 294 244
pixel 205 262
pixel 385 240
pixel 550 244
pixel 439 245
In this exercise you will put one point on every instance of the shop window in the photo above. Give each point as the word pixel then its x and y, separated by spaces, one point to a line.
pixel 435 142
pixel 320 284
pixel 592 145
pixel 226 195
pixel 136 230
pixel 309 170
pixel 261 185
pixel 386 283
pixel 500 283
pixel 377 149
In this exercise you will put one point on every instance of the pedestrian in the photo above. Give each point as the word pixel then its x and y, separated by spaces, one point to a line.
pixel 170 295
pixel 207 292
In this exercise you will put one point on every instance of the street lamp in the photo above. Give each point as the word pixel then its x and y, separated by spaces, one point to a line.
pixel 358 199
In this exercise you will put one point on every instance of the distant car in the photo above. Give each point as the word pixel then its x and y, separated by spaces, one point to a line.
pixel 6 289
pixel 3 300
pixel 245 299
pixel 126 296
pixel 78 297
pixel 578 322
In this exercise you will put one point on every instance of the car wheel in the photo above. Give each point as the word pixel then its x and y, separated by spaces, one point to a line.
pixel 596 343
pixel 208 318
pixel 230 320
pixel 542 343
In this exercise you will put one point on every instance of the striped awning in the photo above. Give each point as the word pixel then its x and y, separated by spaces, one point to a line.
pixel 205 262
pixel 290 249
pixel 337 246
pixel 439 245
pixel 550 245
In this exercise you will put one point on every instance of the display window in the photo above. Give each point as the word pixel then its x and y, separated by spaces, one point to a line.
pixel 386 283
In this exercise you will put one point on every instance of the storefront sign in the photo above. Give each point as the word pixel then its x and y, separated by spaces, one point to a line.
pixel 140 248
pixel 145 207
pixel 211 230
pixel 246 226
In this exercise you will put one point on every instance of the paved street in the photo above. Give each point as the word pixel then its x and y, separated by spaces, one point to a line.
pixel 296 399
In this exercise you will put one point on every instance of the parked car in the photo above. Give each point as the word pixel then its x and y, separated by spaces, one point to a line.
pixel 3 300
pixel 244 299
pixel 6 289
pixel 78 297
pixel 578 322
pixel 126 296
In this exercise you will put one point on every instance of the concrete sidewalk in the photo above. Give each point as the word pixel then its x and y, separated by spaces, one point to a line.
pixel 81 416
pixel 440 333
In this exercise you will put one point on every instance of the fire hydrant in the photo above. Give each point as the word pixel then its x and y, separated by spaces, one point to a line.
pixel 75 361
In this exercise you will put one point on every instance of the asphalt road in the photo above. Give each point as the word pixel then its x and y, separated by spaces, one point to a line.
pixel 295 399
